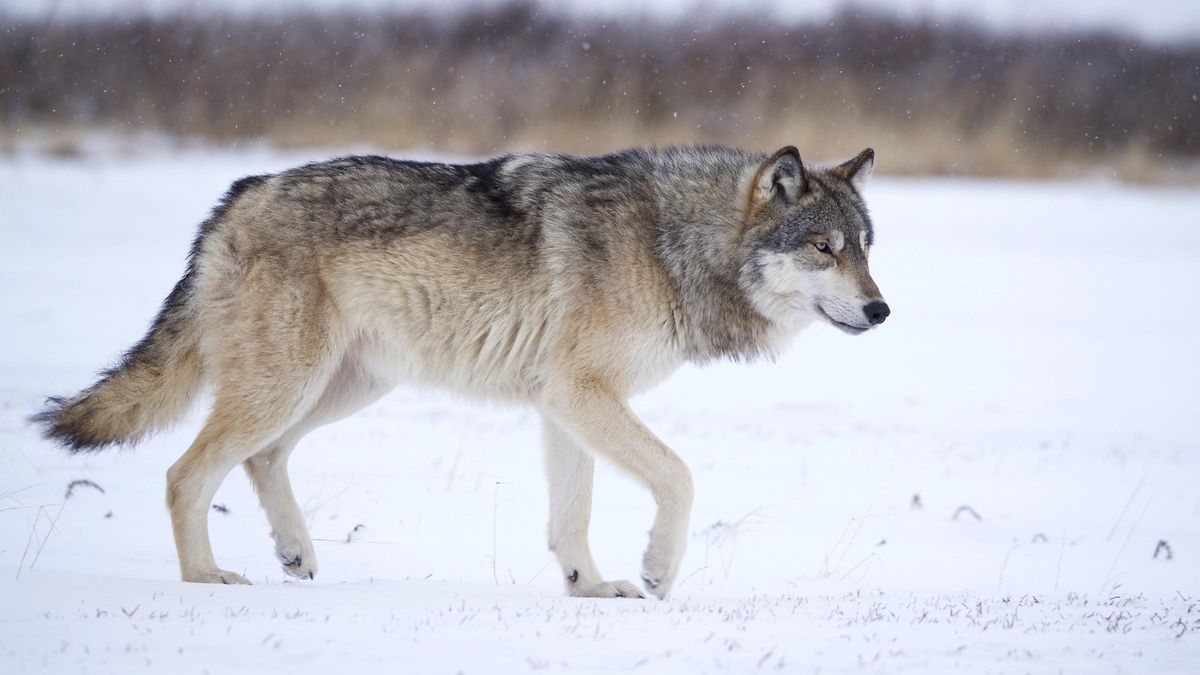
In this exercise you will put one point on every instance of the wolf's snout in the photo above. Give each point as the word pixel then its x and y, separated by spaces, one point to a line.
pixel 876 311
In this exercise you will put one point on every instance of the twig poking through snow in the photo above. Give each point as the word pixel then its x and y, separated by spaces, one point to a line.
pixel 9 495
pixel 826 571
pixel 495 515
pixel 29 541
pixel 1125 509
pixel 1165 548
pixel 350 536
pixel 83 482
pixel 1121 551
pixel 51 530
pixel 221 509
pixel 968 510
pixel 1004 566
pixel 720 533
pixel 916 503
pixel 53 521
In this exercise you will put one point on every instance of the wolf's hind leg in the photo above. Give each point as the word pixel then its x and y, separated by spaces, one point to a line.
pixel 240 424
pixel 269 475
pixel 603 422
pixel 350 389
pixel 569 470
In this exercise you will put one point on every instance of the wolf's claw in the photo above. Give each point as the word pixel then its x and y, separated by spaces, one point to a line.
pixel 295 564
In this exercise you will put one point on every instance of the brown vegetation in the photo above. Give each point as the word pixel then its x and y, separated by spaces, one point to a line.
pixel 929 97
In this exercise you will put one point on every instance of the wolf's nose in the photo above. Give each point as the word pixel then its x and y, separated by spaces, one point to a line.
pixel 876 311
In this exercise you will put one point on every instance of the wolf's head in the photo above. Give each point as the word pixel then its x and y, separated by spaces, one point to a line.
pixel 807 236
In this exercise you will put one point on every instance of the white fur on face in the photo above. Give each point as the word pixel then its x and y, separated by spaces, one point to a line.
pixel 862 241
pixel 781 296
pixel 792 296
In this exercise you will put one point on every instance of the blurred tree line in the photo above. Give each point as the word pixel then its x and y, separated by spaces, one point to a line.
pixel 930 97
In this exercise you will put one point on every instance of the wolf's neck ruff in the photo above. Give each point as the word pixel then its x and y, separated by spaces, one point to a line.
pixel 701 246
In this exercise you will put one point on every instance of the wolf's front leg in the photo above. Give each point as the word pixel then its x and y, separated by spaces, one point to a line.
pixel 569 470
pixel 603 422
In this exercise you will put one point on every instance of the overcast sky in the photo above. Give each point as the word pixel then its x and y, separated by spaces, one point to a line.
pixel 1156 19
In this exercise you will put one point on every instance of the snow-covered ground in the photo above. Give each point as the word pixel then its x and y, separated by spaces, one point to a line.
pixel 981 485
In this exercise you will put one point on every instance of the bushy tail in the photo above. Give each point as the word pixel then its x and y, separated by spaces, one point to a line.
pixel 150 388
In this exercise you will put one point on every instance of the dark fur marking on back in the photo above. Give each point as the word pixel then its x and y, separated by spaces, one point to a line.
pixel 484 180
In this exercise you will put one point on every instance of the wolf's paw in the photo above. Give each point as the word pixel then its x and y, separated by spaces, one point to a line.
pixel 297 562
pixel 216 577
pixel 658 573
pixel 605 589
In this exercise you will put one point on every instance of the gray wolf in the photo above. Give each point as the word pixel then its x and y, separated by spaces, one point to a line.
pixel 565 283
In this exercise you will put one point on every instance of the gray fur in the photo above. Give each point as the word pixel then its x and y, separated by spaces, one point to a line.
pixel 567 283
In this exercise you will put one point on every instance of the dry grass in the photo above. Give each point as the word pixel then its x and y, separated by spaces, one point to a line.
pixel 932 98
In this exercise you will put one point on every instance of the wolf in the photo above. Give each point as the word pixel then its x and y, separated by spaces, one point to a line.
pixel 562 282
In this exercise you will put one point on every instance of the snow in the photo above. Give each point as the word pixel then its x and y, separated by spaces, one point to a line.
pixel 1039 369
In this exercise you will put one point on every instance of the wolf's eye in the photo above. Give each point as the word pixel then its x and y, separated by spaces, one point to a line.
pixel 823 246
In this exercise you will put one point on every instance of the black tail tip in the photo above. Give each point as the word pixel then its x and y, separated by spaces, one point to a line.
pixel 56 425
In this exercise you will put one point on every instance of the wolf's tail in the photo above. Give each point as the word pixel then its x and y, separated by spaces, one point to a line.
pixel 153 384
pixel 150 388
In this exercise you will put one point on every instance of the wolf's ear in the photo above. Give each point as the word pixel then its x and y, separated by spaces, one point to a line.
pixel 857 170
pixel 781 176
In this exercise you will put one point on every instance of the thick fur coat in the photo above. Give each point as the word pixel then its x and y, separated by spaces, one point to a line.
pixel 566 283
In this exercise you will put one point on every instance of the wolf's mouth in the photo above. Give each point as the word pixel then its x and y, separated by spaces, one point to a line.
pixel 844 327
